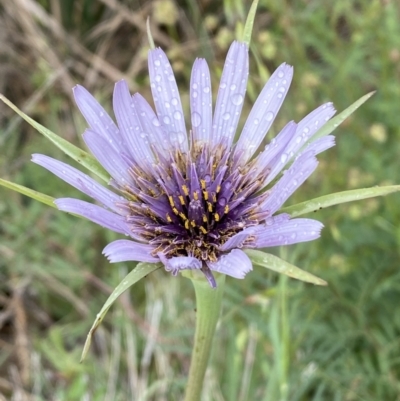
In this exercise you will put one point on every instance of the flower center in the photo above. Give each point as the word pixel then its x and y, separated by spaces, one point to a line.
pixel 192 204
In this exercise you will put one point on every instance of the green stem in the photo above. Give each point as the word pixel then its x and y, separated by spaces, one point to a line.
pixel 208 304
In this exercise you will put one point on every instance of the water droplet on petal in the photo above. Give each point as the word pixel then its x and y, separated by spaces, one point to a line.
pixel 143 135
pixel 157 63
pixel 177 115
pixel 167 105
pixel 256 121
pixel 222 201
pixel 158 78
pixel 194 94
pixel 226 116
pixel 174 101
pixel 280 74
pixel 194 86
pixel 166 119
pixel 237 99
pixel 223 85
pixel 155 122
pixel 233 87
pixel 196 119
pixel 284 157
pixel 269 116
pixel 206 89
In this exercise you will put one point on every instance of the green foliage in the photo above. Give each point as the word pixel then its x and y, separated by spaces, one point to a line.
pixel 278 339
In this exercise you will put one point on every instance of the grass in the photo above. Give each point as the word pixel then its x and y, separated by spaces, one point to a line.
pixel 277 339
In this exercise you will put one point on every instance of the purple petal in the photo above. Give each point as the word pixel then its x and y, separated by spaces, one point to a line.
pixel 235 264
pixel 130 125
pixel 112 161
pixel 232 90
pixel 264 163
pixel 94 213
pixel 157 136
pixel 264 111
pixel 298 172
pixel 166 99
pixel 201 101
pixel 286 233
pixel 124 250
pixel 178 263
pixel 321 144
pixel 237 240
pixel 82 182
pixel 306 128
pixel 97 118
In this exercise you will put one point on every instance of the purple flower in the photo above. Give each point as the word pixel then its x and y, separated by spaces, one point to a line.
pixel 192 199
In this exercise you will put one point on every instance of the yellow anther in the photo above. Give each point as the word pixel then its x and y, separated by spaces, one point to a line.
pixel 175 210
pixel 193 223
pixel 218 188
pixel 187 224
pixel 203 230
pixel 171 201
pixel 205 194
pixel 209 204
pixel 203 184
pixel 216 216
pixel 181 199
pixel 169 218
pixel 205 218
pixel 226 210
pixel 185 189
pixel 196 195
pixel 182 215
pixel 214 197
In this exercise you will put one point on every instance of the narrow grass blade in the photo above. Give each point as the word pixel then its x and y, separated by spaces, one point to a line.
pixel 279 265
pixel 332 124
pixel 48 200
pixel 140 271
pixel 82 157
pixel 248 28
pixel 337 198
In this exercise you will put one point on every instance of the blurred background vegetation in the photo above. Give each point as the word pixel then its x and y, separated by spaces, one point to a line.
pixel 278 339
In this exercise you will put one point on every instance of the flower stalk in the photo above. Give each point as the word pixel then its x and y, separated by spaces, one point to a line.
pixel 208 307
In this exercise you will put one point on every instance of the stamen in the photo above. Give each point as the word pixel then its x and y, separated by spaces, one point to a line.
pixel 185 189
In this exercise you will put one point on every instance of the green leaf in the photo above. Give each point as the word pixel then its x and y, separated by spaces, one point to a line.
pixel 140 271
pixel 332 124
pixel 82 157
pixel 248 28
pixel 48 200
pixel 337 198
pixel 279 265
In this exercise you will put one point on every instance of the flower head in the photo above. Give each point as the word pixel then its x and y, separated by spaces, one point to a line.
pixel 192 199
